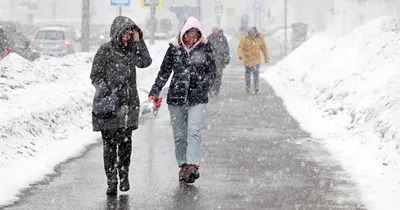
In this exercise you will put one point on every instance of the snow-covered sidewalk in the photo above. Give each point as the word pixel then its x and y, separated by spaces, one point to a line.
pixel 45 116
pixel 346 93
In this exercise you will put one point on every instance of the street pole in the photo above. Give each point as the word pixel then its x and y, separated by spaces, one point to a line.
pixel 256 8
pixel 54 9
pixel 259 14
pixel 286 14
pixel 12 11
pixel 85 25
pixel 153 21
pixel 120 11
pixel 199 6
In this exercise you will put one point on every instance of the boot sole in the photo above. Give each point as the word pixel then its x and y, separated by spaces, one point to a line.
pixel 124 189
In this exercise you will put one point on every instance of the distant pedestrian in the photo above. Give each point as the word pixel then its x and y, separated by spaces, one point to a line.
pixel 116 101
pixel 191 60
pixel 220 47
pixel 248 51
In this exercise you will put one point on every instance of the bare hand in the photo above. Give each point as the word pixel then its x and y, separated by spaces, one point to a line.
pixel 151 98
pixel 136 36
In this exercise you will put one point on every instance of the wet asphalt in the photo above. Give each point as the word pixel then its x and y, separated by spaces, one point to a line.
pixel 255 156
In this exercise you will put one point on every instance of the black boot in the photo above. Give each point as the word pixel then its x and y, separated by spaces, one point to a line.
pixel 124 154
pixel 112 187
pixel 124 182
pixel 110 159
pixel 112 181
pixel 256 91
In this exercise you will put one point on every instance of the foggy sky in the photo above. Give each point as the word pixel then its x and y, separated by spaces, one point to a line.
pixel 312 11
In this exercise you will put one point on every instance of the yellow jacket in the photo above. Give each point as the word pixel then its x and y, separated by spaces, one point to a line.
pixel 249 50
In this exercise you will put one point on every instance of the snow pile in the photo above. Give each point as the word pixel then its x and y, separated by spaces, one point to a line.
pixel 42 99
pixel 346 92
pixel 17 73
pixel 48 106
pixel 46 118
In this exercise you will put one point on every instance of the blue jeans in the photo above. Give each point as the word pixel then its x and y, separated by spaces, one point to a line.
pixel 187 126
pixel 256 74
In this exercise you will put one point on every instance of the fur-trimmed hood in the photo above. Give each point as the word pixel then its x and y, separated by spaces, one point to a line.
pixel 192 22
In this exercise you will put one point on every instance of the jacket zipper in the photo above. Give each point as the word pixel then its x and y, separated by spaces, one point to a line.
pixel 188 84
pixel 126 105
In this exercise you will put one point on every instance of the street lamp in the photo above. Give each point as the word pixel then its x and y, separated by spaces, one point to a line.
pixel 286 11
pixel 153 22
pixel 199 8
pixel 85 25
pixel 54 9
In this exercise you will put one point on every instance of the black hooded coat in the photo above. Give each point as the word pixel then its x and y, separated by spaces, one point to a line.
pixel 114 72
pixel 193 72
pixel 220 47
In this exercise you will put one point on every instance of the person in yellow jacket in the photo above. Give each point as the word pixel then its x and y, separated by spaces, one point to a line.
pixel 249 51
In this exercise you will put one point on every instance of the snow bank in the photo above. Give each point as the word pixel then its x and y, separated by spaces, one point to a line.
pixel 346 92
pixel 18 73
pixel 46 117
pixel 346 15
pixel 44 120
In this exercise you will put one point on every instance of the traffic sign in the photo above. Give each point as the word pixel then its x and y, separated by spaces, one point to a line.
pixel 146 4
pixel 230 12
pixel 219 9
pixel 244 19
pixel 120 3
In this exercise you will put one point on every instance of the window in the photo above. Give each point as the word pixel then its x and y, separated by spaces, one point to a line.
pixel 50 35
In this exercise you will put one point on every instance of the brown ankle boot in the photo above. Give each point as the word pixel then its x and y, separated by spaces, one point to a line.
pixel 192 173
pixel 182 172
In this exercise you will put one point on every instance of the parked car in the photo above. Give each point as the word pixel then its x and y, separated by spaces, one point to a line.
pixel 99 34
pixel 53 41
pixel 12 40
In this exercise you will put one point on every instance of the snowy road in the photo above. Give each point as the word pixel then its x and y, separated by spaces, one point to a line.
pixel 255 157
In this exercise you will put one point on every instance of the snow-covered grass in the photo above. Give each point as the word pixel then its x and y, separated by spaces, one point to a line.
pixel 45 116
pixel 346 93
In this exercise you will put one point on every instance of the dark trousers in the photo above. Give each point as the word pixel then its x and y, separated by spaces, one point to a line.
pixel 255 70
pixel 117 149
pixel 218 81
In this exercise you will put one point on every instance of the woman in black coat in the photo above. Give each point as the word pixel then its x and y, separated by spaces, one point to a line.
pixel 116 101
pixel 191 59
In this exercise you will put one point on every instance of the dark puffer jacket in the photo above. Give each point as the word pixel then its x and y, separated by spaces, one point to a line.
pixel 220 47
pixel 194 71
pixel 114 70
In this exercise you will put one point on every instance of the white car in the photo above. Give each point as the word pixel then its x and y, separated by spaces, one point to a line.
pixel 53 41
